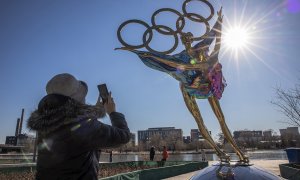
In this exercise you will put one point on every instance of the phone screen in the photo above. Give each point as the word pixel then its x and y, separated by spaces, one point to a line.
pixel 103 92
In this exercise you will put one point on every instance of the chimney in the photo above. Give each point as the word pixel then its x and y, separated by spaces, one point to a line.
pixel 21 122
pixel 17 127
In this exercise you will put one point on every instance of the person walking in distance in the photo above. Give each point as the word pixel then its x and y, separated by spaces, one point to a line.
pixel 110 156
pixel 165 154
pixel 152 153
pixel 69 133
pixel 203 155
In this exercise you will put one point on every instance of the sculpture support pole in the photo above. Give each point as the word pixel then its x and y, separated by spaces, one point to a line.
pixel 215 105
pixel 193 108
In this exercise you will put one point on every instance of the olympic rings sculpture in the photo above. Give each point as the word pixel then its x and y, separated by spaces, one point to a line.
pixel 165 30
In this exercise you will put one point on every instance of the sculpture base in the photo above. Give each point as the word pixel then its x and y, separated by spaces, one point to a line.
pixel 231 171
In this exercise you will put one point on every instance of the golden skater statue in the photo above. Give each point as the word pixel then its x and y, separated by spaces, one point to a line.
pixel 198 71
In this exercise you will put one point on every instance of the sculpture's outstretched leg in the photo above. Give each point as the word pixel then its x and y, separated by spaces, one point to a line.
pixel 215 105
pixel 193 108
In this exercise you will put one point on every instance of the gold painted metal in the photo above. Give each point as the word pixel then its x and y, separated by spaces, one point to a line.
pixel 215 105
pixel 193 108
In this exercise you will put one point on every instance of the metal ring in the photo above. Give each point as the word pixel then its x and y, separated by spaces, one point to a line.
pixel 212 11
pixel 178 27
pixel 189 15
pixel 165 30
pixel 147 41
pixel 149 30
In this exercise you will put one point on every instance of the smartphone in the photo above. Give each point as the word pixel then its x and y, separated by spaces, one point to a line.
pixel 103 92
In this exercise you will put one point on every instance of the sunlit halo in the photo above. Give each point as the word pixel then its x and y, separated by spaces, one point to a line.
pixel 236 38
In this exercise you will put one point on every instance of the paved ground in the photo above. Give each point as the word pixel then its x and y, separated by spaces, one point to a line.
pixel 269 165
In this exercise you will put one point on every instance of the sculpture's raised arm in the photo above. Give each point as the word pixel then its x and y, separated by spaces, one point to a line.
pixel 218 30
pixel 215 32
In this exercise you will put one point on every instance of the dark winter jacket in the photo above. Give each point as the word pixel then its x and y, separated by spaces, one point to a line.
pixel 152 152
pixel 69 137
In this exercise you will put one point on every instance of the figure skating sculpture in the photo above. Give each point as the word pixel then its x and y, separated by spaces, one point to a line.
pixel 198 71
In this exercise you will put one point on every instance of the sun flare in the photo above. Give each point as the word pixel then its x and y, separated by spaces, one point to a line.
pixel 245 35
pixel 236 38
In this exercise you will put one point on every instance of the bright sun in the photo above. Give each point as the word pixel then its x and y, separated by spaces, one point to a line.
pixel 236 38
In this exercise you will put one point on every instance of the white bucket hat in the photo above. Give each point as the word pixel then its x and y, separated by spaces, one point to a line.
pixel 67 85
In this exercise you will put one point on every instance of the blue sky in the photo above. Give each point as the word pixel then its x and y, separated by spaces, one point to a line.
pixel 39 39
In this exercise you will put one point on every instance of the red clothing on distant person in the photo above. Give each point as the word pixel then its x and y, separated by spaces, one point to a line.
pixel 165 154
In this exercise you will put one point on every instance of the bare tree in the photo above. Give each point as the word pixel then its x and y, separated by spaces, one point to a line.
pixel 172 139
pixel 288 102
pixel 179 145
pixel 143 145
pixel 156 140
pixel 126 147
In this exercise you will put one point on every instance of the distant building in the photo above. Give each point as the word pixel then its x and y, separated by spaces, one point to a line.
pixel 186 139
pixel 25 140
pixel 132 139
pixel 267 133
pixel 18 138
pixel 19 142
pixel 163 132
pixel 248 135
pixel 11 140
pixel 289 131
pixel 196 135
pixel 290 136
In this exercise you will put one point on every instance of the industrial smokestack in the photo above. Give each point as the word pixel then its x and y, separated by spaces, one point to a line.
pixel 21 122
pixel 17 127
